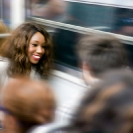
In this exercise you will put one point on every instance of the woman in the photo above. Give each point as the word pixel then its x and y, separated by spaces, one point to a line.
pixel 29 50
pixel 25 104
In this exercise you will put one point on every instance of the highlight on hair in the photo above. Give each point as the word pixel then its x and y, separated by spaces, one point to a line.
pixel 30 102
pixel 16 47
pixel 108 108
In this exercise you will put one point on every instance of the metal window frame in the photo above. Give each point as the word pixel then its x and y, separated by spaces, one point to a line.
pixel 100 3
pixel 79 29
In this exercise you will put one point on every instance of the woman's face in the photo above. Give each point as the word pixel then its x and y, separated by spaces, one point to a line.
pixel 36 48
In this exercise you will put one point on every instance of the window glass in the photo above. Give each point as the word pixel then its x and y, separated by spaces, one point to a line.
pixel 100 17
pixel 64 47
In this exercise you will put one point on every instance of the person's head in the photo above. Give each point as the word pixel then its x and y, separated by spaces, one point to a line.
pixel 27 103
pixel 3 29
pixel 57 7
pixel 99 54
pixel 29 45
pixel 108 108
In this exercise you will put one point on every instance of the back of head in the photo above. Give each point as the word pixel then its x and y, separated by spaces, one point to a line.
pixel 102 53
pixel 30 102
pixel 109 107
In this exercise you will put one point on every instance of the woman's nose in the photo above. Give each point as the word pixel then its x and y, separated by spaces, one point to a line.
pixel 39 50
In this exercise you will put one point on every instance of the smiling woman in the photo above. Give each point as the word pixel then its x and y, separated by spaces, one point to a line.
pixel 36 48
pixel 29 50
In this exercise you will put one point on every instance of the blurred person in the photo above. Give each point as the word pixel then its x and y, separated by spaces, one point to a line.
pixel 35 8
pixel 33 5
pixel 64 44
pixel 97 54
pixel 52 9
pixel 29 50
pixel 124 22
pixel 25 104
pixel 108 108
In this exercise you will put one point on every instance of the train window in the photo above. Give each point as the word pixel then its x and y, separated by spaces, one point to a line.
pixel 65 43
pixel 106 18
pixel 49 9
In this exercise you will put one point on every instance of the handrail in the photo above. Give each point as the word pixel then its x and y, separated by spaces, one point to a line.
pixel 4 35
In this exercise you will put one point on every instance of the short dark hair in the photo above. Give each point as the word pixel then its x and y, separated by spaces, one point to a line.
pixel 108 108
pixel 102 53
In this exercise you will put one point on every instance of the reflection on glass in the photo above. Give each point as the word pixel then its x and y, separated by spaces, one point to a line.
pixel 106 18
pixel 50 9
pixel 65 48
pixel 65 42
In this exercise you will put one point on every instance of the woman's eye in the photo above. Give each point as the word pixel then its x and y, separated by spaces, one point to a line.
pixel 44 46
pixel 34 45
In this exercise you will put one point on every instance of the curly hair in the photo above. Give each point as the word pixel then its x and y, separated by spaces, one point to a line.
pixel 16 47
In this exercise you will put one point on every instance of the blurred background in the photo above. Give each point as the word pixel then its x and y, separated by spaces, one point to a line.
pixel 67 21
